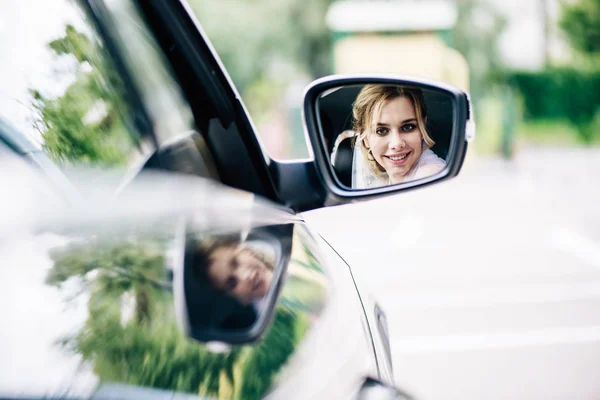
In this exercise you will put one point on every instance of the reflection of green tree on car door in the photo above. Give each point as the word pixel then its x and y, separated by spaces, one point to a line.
pixel 148 349
pixel 302 298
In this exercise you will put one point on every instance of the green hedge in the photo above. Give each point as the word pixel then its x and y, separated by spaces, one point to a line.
pixel 560 93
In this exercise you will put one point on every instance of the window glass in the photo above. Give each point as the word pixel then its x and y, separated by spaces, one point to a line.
pixel 181 147
pixel 172 116
pixel 286 44
pixel 60 91
pixel 64 97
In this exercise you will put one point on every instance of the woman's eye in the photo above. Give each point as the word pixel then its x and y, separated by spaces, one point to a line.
pixel 408 127
pixel 231 283
pixel 381 131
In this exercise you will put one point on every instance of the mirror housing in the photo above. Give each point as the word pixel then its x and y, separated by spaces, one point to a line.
pixel 206 311
pixel 462 132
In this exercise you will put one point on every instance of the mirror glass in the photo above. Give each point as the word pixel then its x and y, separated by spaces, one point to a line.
pixel 229 280
pixel 385 134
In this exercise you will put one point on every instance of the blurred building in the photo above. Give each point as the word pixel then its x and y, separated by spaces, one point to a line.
pixel 402 37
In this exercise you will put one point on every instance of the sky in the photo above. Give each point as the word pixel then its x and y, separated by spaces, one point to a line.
pixel 26 26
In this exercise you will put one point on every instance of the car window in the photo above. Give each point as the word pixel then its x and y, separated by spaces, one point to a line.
pixel 60 90
pixel 64 91
pixel 282 51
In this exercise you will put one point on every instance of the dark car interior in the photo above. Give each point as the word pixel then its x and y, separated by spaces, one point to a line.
pixel 335 110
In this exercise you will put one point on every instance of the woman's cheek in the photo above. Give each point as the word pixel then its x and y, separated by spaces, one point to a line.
pixel 376 149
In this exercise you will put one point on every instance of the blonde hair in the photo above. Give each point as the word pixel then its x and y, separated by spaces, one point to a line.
pixel 205 248
pixel 369 103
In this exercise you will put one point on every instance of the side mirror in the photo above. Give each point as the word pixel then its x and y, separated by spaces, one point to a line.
pixel 226 284
pixel 374 135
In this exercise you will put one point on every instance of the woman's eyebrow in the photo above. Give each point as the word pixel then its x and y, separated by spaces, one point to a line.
pixel 403 122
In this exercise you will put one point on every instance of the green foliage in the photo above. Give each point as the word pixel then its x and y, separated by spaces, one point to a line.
pixel 119 265
pixel 559 93
pixel 111 268
pixel 265 362
pixel 148 349
pixel 76 44
pixel 264 41
pixel 85 123
pixel 552 132
pixel 150 355
pixel 475 36
pixel 581 23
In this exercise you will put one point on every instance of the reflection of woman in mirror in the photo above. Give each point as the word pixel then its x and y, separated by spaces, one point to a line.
pixel 390 121
pixel 241 270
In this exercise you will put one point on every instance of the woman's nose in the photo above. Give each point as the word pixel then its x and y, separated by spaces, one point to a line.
pixel 396 141
pixel 245 274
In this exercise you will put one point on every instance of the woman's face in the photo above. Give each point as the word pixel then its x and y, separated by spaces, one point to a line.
pixel 239 273
pixel 395 138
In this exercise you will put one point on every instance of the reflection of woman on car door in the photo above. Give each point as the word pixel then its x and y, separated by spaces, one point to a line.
pixel 237 269
pixel 391 124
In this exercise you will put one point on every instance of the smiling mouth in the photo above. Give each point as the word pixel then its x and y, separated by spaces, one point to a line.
pixel 398 159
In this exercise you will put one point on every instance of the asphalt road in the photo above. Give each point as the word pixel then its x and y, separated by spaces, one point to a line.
pixel 491 281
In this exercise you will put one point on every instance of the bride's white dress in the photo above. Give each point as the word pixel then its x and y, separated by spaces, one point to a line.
pixel 364 178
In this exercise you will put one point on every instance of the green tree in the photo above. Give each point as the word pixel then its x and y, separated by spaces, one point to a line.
pixel 150 355
pixel 112 269
pixel 569 92
pixel 561 93
pixel 86 123
pixel 148 349
pixel 476 34
pixel 267 360
pixel 580 22
pixel 265 45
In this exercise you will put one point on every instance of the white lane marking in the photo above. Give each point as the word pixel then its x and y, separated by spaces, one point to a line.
pixel 577 245
pixel 407 232
pixel 538 337
pixel 489 296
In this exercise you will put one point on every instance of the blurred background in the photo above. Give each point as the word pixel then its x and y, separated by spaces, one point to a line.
pixel 530 66
pixel 490 282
